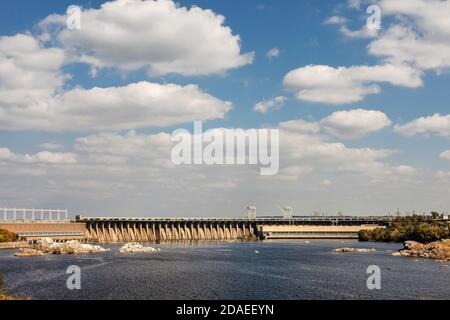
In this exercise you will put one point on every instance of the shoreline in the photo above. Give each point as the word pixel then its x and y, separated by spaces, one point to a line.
pixel 14 245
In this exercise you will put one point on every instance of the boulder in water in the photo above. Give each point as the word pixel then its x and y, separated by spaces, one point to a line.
pixel 354 250
pixel 48 246
pixel 27 252
pixel 134 247
pixel 438 250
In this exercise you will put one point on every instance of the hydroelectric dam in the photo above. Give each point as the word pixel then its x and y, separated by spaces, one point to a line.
pixel 107 229
pixel 34 224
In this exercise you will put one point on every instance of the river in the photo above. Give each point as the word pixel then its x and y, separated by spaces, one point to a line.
pixel 278 269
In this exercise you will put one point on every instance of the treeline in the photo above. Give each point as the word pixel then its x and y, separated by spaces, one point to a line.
pixel 416 228
pixel 6 236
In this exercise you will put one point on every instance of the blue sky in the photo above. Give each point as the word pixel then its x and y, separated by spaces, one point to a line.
pixel 298 29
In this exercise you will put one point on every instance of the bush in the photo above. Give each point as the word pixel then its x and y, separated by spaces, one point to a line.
pixel 416 228
pixel 6 236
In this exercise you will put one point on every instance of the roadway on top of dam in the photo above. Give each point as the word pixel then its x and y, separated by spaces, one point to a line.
pixel 261 219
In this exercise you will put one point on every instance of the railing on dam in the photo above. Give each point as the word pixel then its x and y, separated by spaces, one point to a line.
pixel 295 219
pixel 33 215
pixel 38 235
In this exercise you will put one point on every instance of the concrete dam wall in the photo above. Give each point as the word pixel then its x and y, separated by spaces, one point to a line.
pixel 124 231
pixel 36 230
pixel 110 229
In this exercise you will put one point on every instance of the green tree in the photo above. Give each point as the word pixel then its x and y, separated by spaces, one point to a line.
pixel 6 236
pixel 415 227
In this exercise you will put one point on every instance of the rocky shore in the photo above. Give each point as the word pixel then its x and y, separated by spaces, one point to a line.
pixel 438 250
pixel 354 250
pixel 6 297
pixel 29 252
pixel 48 246
pixel 14 245
pixel 135 247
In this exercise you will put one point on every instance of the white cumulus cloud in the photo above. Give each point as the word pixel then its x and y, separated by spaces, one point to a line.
pixel 436 124
pixel 362 33
pixel 28 70
pixel 137 105
pixel 43 157
pixel 160 36
pixel 50 146
pixel 301 125
pixel 32 96
pixel 336 20
pixel 325 84
pixel 445 155
pixel 420 34
pixel 355 123
pixel 273 53
pixel 269 105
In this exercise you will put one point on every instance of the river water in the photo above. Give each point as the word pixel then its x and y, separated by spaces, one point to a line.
pixel 281 269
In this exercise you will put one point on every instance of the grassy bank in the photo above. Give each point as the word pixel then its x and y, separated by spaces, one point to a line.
pixel 6 236
pixel 4 295
pixel 416 228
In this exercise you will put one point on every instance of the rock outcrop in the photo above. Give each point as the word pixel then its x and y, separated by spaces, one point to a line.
pixel 27 252
pixel 48 246
pixel 354 250
pixel 439 250
pixel 134 247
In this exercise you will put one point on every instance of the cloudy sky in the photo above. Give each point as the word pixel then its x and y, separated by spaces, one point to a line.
pixel 86 115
